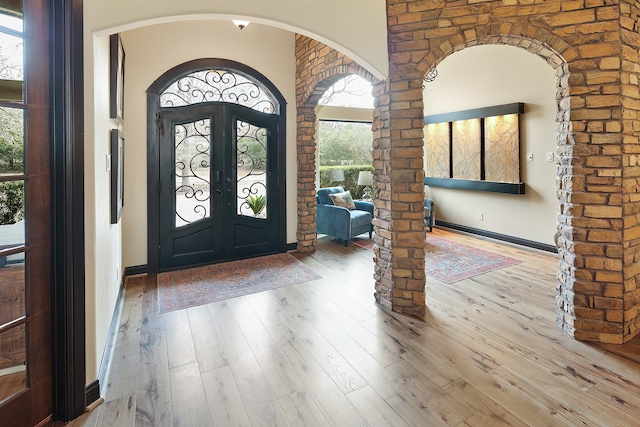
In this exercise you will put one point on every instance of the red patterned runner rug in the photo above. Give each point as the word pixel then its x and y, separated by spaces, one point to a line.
pixel 450 261
pixel 203 285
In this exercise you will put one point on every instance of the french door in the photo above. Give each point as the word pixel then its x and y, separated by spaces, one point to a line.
pixel 25 214
pixel 218 185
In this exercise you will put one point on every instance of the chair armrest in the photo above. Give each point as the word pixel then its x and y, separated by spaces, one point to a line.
pixel 428 203
pixel 364 206
pixel 333 220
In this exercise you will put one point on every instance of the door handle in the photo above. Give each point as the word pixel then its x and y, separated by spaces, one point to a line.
pixel 218 190
pixel 228 190
pixel 218 177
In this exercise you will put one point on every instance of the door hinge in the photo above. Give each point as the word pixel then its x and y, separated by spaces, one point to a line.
pixel 159 122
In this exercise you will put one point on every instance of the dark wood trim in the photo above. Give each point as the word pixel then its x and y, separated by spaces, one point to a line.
pixel 136 269
pixel 463 184
pixel 153 152
pixel 483 157
pixel 92 392
pixel 292 247
pixel 498 236
pixel 476 113
pixel 153 176
pixel 67 95
pixel 450 149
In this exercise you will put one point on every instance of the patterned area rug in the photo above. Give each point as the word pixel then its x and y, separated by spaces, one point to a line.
pixel 450 261
pixel 211 283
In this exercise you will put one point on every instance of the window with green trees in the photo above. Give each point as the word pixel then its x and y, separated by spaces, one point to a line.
pixel 344 143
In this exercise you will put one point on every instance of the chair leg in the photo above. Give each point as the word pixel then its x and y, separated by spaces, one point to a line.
pixel 346 242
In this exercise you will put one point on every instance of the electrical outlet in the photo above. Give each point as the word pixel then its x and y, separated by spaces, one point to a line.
pixel 550 156
pixel 480 217
pixel 529 157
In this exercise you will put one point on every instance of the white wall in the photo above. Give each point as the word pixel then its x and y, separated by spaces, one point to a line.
pixel 267 49
pixel 357 28
pixel 103 240
pixel 351 114
pixel 483 76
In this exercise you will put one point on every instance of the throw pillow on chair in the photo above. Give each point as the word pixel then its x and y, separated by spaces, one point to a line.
pixel 343 200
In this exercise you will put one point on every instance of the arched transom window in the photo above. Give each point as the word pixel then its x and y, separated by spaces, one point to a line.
pixel 219 85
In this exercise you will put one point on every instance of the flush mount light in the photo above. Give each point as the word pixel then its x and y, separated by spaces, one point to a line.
pixel 240 23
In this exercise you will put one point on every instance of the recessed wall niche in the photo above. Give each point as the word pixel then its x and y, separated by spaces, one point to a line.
pixel 475 149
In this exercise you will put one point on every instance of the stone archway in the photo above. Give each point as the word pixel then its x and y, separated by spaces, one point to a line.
pixel 564 143
pixel 596 55
pixel 595 51
pixel 318 69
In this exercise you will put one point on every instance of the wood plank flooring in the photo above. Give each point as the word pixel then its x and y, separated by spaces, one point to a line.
pixel 487 353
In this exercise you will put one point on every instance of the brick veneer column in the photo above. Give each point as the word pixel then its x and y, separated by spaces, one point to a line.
pixel 629 17
pixel 383 223
pixel 399 195
pixel 599 210
pixel 306 157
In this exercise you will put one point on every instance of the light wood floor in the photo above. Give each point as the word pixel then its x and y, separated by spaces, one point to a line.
pixel 487 353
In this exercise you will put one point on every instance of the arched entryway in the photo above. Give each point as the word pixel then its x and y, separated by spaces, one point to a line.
pixel 326 67
pixel 564 235
pixel 216 175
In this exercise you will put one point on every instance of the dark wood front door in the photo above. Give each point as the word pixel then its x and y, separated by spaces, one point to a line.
pixel 218 184
pixel 25 214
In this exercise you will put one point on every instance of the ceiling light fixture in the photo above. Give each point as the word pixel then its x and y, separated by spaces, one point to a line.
pixel 240 23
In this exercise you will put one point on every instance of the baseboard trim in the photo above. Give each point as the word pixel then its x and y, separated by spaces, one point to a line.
pixel 107 356
pixel 92 392
pixel 135 270
pixel 498 236
pixel 292 246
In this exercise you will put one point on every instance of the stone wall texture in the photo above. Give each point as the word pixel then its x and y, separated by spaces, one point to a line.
pixel 593 46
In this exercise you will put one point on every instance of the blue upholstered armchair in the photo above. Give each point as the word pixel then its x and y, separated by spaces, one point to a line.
pixel 341 222
pixel 429 214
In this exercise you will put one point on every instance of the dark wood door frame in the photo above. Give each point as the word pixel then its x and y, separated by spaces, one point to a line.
pixel 55 209
pixel 68 282
pixel 153 153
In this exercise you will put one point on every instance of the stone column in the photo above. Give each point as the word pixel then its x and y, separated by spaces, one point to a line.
pixel 398 168
pixel 306 157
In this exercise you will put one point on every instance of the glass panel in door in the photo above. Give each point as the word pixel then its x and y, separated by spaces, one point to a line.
pixel 251 161
pixel 11 59
pixel 14 320
pixel 13 361
pixel 192 171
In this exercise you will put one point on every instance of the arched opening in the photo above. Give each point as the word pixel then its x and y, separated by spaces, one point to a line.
pixel 215 165
pixel 344 153
pixel 313 86
pixel 563 237
pixel 492 75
